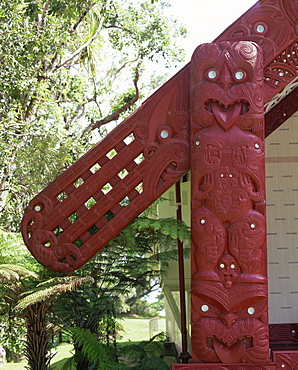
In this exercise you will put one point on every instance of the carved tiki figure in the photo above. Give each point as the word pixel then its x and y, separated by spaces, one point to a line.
pixel 229 284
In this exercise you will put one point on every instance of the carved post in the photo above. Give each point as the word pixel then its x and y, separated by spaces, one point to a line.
pixel 229 283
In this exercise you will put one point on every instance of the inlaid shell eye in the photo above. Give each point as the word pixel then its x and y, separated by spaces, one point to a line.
pixel 239 75
pixel 260 28
pixel 212 74
pixel 164 134
pixel 205 308
pixel 251 310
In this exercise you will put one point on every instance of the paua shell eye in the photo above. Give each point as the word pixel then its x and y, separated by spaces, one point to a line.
pixel 212 74
pixel 260 28
pixel 239 75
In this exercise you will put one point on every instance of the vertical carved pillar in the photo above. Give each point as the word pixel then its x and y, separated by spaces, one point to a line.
pixel 229 283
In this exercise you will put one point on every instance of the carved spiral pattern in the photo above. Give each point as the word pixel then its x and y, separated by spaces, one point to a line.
pixel 228 230
pixel 214 342
pixel 141 132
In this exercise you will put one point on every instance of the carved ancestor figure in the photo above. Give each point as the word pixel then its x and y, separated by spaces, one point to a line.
pixel 229 284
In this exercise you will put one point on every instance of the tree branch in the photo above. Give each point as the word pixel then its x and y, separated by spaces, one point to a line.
pixel 115 115
pixel 132 300
pixel 86 11
pixel 84 46
pixel 124 65
pixel 43 16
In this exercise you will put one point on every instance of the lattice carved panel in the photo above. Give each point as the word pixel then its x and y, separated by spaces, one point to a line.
pixel 92 201
pixel 115 181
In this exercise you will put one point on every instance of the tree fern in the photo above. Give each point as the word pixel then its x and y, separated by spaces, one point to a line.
pixel 9 272
pixel 49 289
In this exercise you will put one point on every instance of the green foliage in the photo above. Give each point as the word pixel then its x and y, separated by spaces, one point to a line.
pixel 50 289
pixel 67 69
pixel 142 356
pixel 96 351
pixel 146 354
pixel 176 229
pixel 13 257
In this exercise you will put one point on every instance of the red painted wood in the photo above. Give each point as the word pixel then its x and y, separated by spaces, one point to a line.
pixel 269 366
pixel 60 227
pixel 229 283
pixel 69 221
pixel 92 201
pixel 282 360
pixel 281 112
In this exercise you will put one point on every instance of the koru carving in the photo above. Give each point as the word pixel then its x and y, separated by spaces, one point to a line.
pixel 220 137
pixel 229 284
pixel 91 202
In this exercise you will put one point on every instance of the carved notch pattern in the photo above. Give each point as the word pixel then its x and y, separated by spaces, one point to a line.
pixel 229 284
pixel 92 201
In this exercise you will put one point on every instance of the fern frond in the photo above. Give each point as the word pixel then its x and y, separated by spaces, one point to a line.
pixel 10 272
pixel 50 292
pixel 96 351
pixel 113 366
pixel 70 282
pixel 176 229
pixel 135 352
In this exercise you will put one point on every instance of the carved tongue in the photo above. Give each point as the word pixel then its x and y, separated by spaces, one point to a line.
pixel 226 117
pixel 229 355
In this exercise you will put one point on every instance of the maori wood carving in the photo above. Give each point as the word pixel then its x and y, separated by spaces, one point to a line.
pixel 281 360
pixel 208 118
pixel 229 284
pixel 92 201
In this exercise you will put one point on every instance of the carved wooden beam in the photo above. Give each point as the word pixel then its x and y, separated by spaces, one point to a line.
pixel 93 200
pixel 229 282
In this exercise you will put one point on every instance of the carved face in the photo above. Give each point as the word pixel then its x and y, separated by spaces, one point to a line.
pixel 226 179
pixel 227 85
pixel 229 326
pixel 227 270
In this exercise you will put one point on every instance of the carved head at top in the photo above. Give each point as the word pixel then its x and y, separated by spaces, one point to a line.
pixel 226 85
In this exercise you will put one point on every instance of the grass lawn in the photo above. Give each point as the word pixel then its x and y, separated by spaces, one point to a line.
pixel 63 353
pixel 135 330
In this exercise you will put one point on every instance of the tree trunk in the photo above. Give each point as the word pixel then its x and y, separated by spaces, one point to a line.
pixel 37 347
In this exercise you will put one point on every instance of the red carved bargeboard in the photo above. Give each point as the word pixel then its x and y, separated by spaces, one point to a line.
pixel 147 153
pixel 208 118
